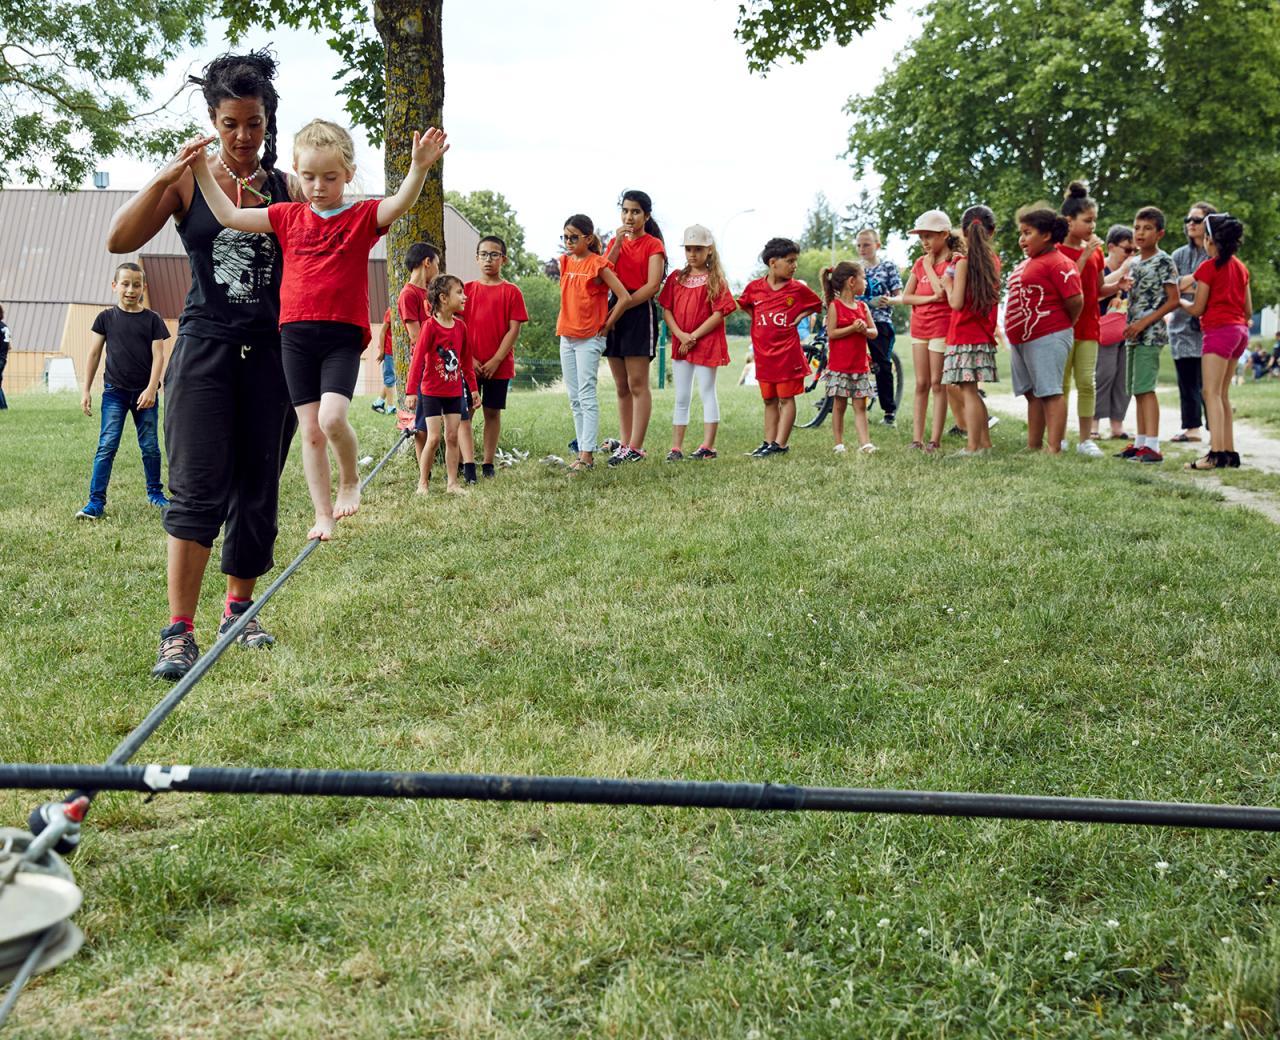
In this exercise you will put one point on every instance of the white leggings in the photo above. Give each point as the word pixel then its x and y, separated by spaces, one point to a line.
pixel 683 372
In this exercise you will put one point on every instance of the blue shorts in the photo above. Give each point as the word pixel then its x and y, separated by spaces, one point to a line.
pixel 388 370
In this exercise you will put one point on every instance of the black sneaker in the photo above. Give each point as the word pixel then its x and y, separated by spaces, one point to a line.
pixel 955 431
pixel 675 455
pixel 777 449
pixel 619 455
pixel 610 444
pixel 889 419
pixel 704 453
pixel 253 636
pixel 178 652
pixel 761 451
pixel 634 455
pixel 486 469
pixel 1128 452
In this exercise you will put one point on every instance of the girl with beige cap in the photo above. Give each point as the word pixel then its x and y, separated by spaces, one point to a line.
pixel 930 318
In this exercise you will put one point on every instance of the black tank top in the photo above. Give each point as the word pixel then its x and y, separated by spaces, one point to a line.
pixel 235 275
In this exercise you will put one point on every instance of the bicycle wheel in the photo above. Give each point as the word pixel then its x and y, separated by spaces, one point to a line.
pixel 813 406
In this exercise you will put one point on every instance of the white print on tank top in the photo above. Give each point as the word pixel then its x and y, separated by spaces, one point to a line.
pixel 242 263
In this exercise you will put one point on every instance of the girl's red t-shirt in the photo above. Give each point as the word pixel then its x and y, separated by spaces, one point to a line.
pixel 441 360
pixel 1227 285
pixel 690 305
pixel 929 320
pixel 632 265
pixel 326 262
pixel 775 342
pixel 1037 289
pixel 972 328
pixel 490 311
pixel 849 354
pixel 1088 324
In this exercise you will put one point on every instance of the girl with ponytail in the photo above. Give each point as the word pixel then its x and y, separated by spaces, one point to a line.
pixel 973 292
pixel 1224 305
pixel 1084 248
pixel 849 327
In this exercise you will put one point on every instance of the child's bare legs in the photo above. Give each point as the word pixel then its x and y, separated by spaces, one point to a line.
pixel 342 438
pixel 1217 373
pixel 315 464
pixel 677 437
pixel 1055 421
pixel 771 420
pixel 467 440
pixel 637 369
pixel 1148 415
pixel 974 411
pixel 1035 422
pixel 786 420
pixel 618 369
pixel 709 431
pixel 452 424
pixel 860 420
pixel 920 400
pixel 430 445
pixel 838 405
pixel 939 395
pixel 419 442
pixel 955 401
pixel 492 427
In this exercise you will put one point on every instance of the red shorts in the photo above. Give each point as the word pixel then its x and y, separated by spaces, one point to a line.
pixel 1228 341
pixel 787 388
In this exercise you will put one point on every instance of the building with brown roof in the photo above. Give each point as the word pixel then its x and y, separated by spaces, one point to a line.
pixel 55 276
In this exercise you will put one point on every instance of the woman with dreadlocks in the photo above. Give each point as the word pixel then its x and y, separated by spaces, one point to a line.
pixel 227 421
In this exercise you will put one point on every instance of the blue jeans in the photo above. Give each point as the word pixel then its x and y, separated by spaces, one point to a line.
pixel 580 365
pixel 115 404
pixel 388 370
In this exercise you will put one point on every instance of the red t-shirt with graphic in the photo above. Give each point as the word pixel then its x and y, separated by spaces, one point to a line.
pixel 972 328
pixel 849 354
pixel 690 305
pixel 1227 285
pixel 1088 324
pixel 929 320
pixel 441 360
pixel 774 339
pixel 1038 288
pixel 489 313
pixel 632 265
pixel 326 262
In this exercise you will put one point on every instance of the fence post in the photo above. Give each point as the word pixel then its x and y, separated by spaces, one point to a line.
pixel 663 340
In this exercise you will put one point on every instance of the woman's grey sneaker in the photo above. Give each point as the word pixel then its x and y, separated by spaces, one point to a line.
pixel 253 636
pixel 675 455
pixel 178 652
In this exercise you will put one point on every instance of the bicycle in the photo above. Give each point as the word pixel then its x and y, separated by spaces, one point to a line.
pixel 815 390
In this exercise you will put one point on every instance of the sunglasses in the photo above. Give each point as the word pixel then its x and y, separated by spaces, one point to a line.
pixel 1128 250
pixel 570 239
pixel 1194 220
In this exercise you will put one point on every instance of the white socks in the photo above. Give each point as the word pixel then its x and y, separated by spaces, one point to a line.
pixel 1148 442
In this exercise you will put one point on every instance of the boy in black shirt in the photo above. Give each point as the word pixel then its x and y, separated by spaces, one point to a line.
pixel 134 339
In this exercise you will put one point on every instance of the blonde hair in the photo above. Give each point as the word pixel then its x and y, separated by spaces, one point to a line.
pixel 716 279
pixel 320 133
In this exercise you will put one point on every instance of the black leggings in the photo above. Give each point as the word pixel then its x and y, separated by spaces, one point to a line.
pixel 881 348
pixel 227 427
pixel 1189 392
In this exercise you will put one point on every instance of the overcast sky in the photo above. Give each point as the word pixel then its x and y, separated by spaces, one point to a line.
pixel 562 106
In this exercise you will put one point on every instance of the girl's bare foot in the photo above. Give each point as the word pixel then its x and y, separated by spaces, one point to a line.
pixel 322 529
pixel 347 502
pixel 455 489
pixel 422 489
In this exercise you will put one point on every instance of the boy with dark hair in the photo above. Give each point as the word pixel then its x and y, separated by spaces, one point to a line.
pixel 778 303
pixel 1154 294
pixel 133 337
pixel 422 261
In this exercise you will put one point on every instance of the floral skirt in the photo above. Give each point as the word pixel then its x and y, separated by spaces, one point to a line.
pixel 969 363
pixel 849 384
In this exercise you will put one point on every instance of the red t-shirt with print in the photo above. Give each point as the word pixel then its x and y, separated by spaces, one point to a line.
pixel 1227 285
pixel 1088 324
pixel 775 342
pixel 441 360
pixel 929 320
pixel 971 328
pixel 1037 289
pixel 489 312
pixel 690 306
pixel 632 265
pixel 849 354
pixel 326 262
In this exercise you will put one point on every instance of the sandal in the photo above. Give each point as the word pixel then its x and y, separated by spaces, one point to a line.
pixel 915 446
pixel 1182 438
pixel 578 466
pixel 868 449
pixel 1213 460
pixel 930 447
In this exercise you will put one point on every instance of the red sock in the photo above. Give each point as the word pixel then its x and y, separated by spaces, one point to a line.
pixel 189 622
pixel 226 611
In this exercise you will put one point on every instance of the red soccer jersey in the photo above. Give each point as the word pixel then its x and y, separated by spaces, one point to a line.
pixel 1227 285
pixel 490 311
pixel 1037 289
pixel 849 354
pixel 441 360
pixel 690 306
pixel 970 328
pixel 1088 322
pixel 774 339
pixel 326 262
pixel 632 265
pixel 386 332
pixel 929 320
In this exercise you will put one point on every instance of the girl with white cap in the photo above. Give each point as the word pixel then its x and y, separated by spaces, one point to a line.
pixel 930 318
pixel 695 302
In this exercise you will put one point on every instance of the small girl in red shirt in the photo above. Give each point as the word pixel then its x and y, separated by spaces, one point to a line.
pixel 694 304
pixel 973 292
pixel 441 373
pixel 849 326
pixel 1224 305
pixel 324 295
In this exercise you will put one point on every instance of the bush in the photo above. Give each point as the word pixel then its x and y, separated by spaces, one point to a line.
pixel 538 337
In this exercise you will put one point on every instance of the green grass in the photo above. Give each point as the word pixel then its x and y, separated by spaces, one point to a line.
pixel 1259 402
pixel 1018 623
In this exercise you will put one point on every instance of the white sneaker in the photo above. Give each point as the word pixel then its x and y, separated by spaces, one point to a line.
pixel 1065 445
pixel 992 420
pixel 1089 448
pixel 840 449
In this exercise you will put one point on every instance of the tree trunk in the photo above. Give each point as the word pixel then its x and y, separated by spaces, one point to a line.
pixel 411 33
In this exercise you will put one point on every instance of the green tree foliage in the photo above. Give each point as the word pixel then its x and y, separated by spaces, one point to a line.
pixel 538 337
pixel 822 225
pixel 1153 101
pixel 790 29
pixel 491 214
pixel 73 83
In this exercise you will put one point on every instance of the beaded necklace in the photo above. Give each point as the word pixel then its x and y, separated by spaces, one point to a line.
pixel 243 183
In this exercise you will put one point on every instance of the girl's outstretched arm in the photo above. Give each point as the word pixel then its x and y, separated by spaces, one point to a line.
pixel 427 150
pixel 224 211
